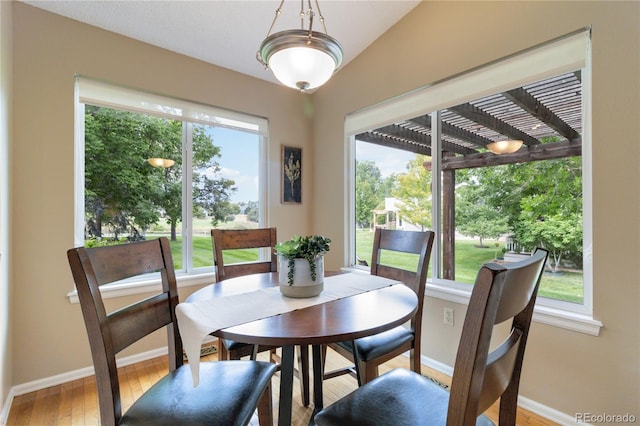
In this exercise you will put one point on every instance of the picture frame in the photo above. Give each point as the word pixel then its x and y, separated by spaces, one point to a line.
pixel 291 172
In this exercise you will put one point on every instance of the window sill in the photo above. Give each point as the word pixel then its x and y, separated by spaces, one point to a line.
pixel 146 286
pixel 556 317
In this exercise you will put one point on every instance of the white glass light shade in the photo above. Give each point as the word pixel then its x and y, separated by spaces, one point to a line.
pixel 300 59
pixel 504 147
pixel 302 67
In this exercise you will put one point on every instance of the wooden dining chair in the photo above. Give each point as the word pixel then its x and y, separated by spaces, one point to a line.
pixel 228 392
pixel 480 376
pixel 235 239
pixel 368 353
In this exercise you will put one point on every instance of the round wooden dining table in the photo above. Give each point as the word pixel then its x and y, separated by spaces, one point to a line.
pixel 338 320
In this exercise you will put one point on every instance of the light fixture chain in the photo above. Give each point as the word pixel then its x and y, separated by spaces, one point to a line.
pixel 275 18
pixel 310 13
pixel 321 17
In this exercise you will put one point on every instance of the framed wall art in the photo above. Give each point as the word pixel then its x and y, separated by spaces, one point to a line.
pixel 291 175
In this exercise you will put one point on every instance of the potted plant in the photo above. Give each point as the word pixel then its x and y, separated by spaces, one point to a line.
pixel 301 271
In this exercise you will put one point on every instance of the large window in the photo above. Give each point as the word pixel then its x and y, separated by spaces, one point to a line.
pixel 485 206
pixel 150 166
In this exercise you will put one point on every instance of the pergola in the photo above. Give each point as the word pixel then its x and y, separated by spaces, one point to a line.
pixel 531 113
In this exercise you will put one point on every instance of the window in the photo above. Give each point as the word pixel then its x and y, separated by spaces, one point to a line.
pixel 470 197
pixel 151 166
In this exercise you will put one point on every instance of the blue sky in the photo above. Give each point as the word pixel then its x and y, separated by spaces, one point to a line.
pixel 239 161
pixel 388 160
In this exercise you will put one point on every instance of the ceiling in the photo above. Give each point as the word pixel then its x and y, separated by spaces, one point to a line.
pixel 228 33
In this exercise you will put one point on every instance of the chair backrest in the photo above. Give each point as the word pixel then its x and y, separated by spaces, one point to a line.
pixel 415 242
pixel 501 293
pixel 232 239
pixel 109 333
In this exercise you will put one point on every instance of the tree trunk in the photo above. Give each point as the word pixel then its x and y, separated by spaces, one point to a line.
pixel 173 231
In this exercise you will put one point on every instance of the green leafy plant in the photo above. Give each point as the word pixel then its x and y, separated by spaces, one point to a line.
pixel 309 248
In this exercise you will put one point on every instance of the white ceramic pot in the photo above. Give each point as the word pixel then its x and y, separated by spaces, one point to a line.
pixel 303 285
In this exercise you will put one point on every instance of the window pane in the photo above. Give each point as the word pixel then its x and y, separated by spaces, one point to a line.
pixel 155 172
pixel 377 169
pixel 225 189
pixel 497 207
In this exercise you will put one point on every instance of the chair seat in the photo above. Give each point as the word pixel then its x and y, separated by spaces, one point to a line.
pixel 227 394
pixel 397 398
pixel 371 347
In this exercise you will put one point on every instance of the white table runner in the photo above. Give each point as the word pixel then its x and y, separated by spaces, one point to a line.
pixel 199 319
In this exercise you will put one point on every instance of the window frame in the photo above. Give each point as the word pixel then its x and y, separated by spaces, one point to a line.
pixel 564 54
pixel 95 92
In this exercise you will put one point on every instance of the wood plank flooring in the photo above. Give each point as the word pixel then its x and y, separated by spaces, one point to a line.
pixel 76 402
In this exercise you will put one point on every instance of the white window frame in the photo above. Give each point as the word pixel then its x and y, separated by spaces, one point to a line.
pixel 100 93
pixel 565 54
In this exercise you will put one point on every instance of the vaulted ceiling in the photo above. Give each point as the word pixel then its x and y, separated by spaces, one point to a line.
pixel 546 116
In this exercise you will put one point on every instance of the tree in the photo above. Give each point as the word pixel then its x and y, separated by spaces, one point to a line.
pixel 475 217
pixel 120 186
pixel 541 201
pixel 413 189
pixel 368 184
pixel 252 210
pixel 124 192
pixel 559 234
pixel 551 211
pixel 212 191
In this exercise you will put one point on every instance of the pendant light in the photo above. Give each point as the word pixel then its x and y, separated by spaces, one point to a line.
pixel 163 163
pixel 302 59
pixel 504 147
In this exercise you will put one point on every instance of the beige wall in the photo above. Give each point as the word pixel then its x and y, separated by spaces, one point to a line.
pixel 5 137
pixel 567 371
pixel 48 332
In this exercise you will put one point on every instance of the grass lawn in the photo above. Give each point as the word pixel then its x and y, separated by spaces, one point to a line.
pixel 566 286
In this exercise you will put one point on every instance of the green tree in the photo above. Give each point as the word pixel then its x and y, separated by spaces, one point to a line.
pixel 120 186
pixel 252 210
pixel 558 233
pixel 413 190
pixel 123 191
pixel 212 191
pixel 541 201
pixel 368 196
pixel 551 210
pixel 475 217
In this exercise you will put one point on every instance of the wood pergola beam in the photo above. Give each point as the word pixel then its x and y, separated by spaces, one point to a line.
pixel 454 132
pixel 378 139
pixel 530 104
pixel 475 114
pixel 539 152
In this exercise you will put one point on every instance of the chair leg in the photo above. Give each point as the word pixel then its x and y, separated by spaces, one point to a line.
pixel 265 408
pixel 357 364
pixel 223 353
pixel 254 352
pixel 414 360
pixel 303 373
pixel 368 371
pixel 324 358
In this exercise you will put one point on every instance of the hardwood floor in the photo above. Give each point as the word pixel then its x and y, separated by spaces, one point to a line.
pixel 76 402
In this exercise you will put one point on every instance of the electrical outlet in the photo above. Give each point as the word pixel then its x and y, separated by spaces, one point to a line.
pixel 448 316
